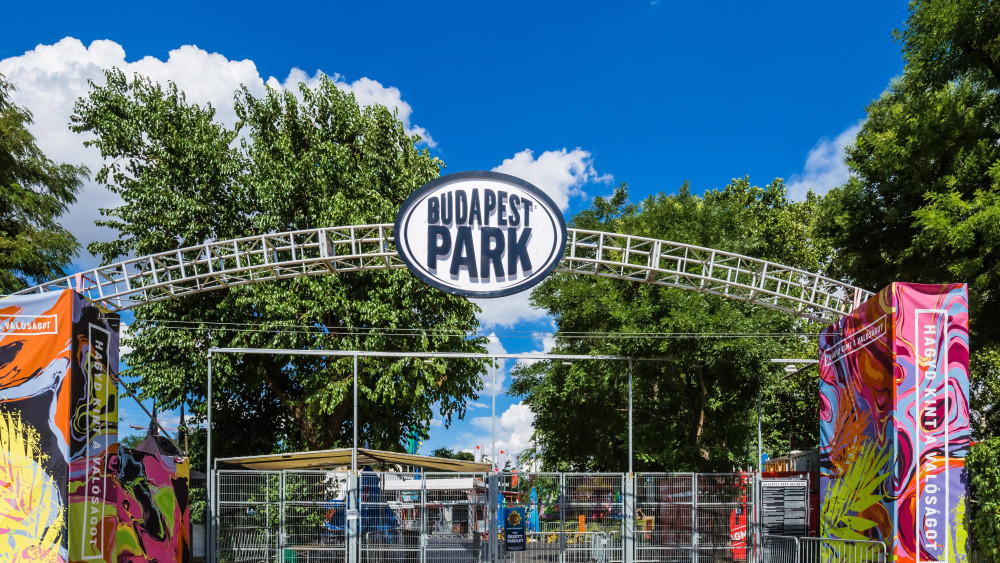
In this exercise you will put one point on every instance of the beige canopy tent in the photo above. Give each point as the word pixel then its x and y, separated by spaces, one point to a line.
pixel 341 459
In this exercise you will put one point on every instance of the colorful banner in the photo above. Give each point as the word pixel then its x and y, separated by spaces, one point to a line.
pixel 931 349
pixel 894 422
pixel 153 513
pixel 36 349
pixel 93 434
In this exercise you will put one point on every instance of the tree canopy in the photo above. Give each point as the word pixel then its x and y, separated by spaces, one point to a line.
pixel 295 160
pixel 696 409
pixel 34 193
pixel 926 177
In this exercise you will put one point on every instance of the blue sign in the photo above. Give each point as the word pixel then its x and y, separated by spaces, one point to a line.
pixel 514 537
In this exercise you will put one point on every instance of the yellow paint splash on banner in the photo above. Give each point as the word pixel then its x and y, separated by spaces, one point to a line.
pixel 32 517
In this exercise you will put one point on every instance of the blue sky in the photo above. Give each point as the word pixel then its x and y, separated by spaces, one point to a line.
pixel 574 96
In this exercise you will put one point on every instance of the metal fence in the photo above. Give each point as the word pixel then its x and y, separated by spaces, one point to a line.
pixel 330 517
pixel 248 508
pixel 787 549
pixel 571 516
pixel 693 517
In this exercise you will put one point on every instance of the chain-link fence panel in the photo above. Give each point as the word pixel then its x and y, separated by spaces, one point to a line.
pixel 665 521
pixel 722 504
pixel 389 513
pixel 314 516
pixel 686 517
pixel 455 517
pixel 248 513
pixel 309 516
pixel 541 497
pixel 568 517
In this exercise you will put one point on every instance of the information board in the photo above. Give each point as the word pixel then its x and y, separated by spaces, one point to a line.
pixel 785 507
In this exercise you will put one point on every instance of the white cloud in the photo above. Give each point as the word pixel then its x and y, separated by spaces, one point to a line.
pixel 508 311
pixel 493 346
pixel 547 343
pixel 825 168
pixel 50 78
pixel 123 333
pixel 560 174
pixel 514 429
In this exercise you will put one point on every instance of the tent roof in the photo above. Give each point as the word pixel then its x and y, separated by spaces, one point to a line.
pixel 341 458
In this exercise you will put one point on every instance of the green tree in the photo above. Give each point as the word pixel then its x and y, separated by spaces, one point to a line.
pixel 302 160
pixel 922 204
pixel 451 454
pixel 34 193
pixel 697 409
pixel 983 465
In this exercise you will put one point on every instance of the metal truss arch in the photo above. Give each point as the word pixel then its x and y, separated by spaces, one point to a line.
pixel 333 250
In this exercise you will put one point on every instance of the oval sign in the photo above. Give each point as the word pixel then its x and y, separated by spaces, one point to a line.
pixel 480 234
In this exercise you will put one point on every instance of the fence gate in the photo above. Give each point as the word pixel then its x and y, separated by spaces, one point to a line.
pixel 569 516
pixel 328 517
pixel 689 517
pixel 248 512
pixel 314 516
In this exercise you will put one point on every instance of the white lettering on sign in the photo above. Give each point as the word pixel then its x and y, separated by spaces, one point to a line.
pixel 29 325
pixel 480 234
pixel 930 410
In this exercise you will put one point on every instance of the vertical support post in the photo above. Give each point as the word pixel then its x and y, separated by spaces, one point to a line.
pixel 494 506
pixel 213 529
pixel 756 489
pixel 562 518
pixel 628 545
pixel 281 520
pixel 758 528
pixel 630 418
pixel 354 450
pixel 493 417
pixel 210 482
pixel 353 517
pixel 271 543
pixel 760 446
pixel 424 532
pixel 694 518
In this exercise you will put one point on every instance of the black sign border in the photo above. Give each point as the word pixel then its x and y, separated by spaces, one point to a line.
pixel 404 211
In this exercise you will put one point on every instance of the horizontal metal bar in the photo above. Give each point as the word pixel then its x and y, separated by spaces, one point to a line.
pixel 429 355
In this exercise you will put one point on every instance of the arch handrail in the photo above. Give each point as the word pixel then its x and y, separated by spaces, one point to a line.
pixel 331 250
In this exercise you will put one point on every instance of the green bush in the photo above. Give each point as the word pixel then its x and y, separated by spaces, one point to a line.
pixel 983 465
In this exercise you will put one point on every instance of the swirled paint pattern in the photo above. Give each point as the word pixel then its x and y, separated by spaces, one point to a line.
pixel 894 386
pixel 62 481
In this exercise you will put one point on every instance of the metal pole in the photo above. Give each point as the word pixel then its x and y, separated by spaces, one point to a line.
pixel 630 416
pixel 354 451
pixel 760 468
pixel 209 515
pixel 493 416
pixel 760 447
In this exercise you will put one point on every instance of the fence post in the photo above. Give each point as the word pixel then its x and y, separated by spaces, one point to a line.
pixel 423 517
pixel 694 518
pixel 211 520
pixel 628 545
pixel 494 504
pixel 562 518
pixel 758 530
pixel 282 541
pixel 353 509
